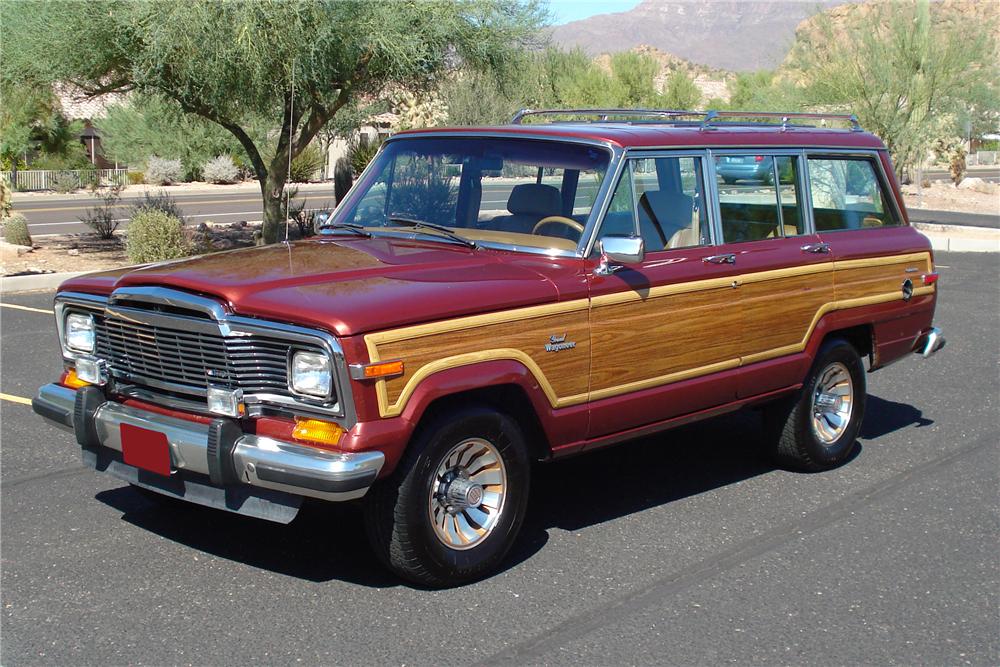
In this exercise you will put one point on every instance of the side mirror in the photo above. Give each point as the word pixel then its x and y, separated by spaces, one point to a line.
pixel 617 251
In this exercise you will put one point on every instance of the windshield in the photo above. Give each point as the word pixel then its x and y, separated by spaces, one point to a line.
pixel 516 192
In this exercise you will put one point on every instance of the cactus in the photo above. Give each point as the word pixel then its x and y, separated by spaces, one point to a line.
pixel 15 230
pixel 5 199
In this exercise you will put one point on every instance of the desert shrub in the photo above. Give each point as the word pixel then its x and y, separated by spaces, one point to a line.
pixel 103 217
pixel 160 201
pixel 136 178
pixel 154 236
pixel 306 164
pixel 15 230
pixel 956 164
pixel 222 169
pixel 160 171
pixel 64 182
pixel 361 150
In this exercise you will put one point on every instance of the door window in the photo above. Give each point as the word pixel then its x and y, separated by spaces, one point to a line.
pixel 847 194
pixel 664 198
pixel 758 197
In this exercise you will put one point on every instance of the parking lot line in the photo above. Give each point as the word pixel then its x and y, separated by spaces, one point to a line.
pixel 15 399
pixel 28 308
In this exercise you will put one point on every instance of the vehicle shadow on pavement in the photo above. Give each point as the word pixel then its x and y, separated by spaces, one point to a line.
pixel 327 541
pixel 883 417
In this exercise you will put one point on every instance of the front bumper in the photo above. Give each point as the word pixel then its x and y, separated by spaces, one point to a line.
pixel 220 452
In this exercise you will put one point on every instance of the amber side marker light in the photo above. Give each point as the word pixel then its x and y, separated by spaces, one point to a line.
pixel 317 431
pixel 377 370
pixel 70 379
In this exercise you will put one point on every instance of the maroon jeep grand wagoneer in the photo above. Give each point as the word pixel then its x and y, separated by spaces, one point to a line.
pixel 487 298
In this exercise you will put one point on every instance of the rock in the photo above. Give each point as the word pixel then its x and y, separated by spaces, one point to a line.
pixel 73 252
pixel 203 227
pixel 239 225
pixel 978 185
pixel 11 251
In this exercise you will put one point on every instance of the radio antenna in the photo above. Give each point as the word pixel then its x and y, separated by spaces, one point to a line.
pixel 291 125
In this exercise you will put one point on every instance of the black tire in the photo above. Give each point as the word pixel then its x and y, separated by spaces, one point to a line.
pixel 798 443
pixel 398 509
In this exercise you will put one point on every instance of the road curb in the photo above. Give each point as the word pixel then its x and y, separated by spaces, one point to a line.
pixel 955 238
pixel 36 282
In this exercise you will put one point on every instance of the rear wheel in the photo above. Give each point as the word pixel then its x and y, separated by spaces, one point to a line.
pixel 817 430
pixel 453 507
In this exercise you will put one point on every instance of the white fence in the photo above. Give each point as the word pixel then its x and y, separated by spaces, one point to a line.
pixel 46 180
pixel 981 158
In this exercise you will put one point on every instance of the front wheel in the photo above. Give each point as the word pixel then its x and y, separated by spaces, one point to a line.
pixel 818 429
pixel 453 508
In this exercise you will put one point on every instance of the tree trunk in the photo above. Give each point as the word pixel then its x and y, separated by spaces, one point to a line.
pixel 271 192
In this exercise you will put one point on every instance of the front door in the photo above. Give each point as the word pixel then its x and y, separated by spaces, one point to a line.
pixel 665 333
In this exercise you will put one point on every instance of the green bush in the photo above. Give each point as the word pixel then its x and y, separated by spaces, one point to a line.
pixel 15 230
pixel 154 236
pixel 306 164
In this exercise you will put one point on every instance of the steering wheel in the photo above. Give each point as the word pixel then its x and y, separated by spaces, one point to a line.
pixel 558 219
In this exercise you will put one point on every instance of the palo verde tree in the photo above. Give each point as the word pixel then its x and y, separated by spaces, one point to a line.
pixel 233 63
pixel 905 68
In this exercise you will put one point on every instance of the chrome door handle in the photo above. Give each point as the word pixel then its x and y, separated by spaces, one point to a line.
pixel 818 248
pixel 720 259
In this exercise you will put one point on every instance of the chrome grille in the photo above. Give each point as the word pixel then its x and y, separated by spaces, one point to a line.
pixel 188 360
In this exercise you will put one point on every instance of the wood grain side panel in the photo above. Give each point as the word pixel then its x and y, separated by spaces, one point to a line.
pixel 780 313
pixel 662 336
pixel 566 371
pixel 853 281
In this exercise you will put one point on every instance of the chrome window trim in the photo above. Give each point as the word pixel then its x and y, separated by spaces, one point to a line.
pixel 229 326
pixel 880 175
pixel 586 238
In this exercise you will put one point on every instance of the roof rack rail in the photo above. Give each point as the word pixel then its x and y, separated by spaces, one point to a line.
pixel 712 116
pixel 706 119
pixel 604 114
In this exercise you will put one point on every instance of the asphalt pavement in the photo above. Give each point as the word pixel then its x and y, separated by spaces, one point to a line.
pixel 684 548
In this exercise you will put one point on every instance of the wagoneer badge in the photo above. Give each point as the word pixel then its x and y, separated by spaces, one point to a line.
pixel 557 343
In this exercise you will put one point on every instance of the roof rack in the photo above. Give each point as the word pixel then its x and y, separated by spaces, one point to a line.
pixel 706 120
pixel 605 114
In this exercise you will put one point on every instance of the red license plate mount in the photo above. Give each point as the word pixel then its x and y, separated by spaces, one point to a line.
pixel 146 449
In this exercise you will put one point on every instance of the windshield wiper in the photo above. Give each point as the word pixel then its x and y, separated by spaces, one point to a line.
pixel 347 226
pixel 421 224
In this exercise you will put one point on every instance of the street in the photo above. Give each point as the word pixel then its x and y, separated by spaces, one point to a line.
pixel 683 548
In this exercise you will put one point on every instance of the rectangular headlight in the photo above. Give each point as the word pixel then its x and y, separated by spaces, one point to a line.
pixel 79 332
pixel 311 374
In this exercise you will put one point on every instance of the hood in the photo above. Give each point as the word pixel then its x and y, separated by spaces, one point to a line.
pixel 351 286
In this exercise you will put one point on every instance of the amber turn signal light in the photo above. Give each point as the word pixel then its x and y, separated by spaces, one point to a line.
pixel 377 370
pixel 70 379
pixel 317 431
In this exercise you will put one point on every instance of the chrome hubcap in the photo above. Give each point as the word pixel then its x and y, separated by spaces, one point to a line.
pixel 832 403
pixel 467 493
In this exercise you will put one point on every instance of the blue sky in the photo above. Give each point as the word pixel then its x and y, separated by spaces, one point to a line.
pixel 564 11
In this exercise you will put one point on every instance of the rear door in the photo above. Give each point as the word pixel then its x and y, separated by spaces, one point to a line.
pixel 785 269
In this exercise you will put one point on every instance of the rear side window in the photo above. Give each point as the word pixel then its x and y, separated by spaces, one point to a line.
pixel 847 194
pixel 758 197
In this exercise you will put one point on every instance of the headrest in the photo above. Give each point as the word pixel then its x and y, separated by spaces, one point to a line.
pixel 669 205
pixel 534 199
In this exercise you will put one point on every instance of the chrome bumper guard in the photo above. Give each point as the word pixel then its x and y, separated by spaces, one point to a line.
pixel 930 342
pixel 240 459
